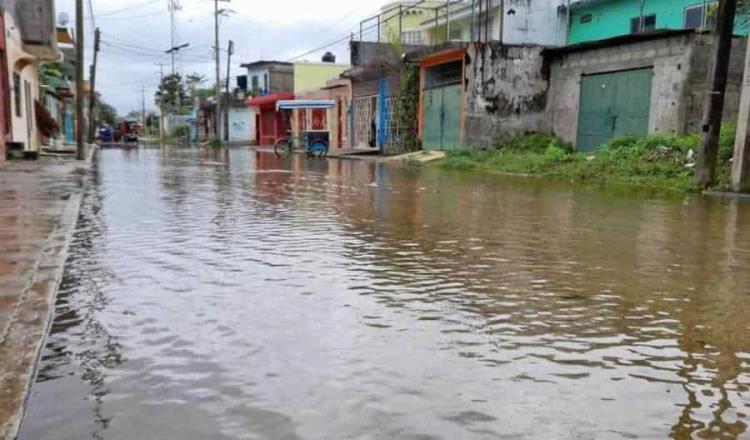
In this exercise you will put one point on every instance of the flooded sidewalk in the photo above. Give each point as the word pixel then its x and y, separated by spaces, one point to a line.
pixel 39 203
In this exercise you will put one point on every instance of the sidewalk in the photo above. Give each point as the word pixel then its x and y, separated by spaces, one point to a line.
pixel 39 204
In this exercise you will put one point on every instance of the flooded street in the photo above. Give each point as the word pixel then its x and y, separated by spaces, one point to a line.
pixel 236 295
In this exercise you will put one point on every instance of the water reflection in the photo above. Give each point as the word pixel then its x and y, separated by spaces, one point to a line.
pixel 252 296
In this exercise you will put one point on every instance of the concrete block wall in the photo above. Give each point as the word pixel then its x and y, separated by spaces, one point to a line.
pixel 506 93
pixel 669 58
pixel 681 67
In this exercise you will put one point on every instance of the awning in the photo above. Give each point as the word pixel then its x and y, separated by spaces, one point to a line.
pixel 269 101
pixel 305 104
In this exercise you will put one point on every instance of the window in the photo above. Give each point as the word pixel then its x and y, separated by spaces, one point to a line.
pixel 694 17
pixel 255 83
pixel 412 37
pixel 649 24
pixel 586 18
pixel 17 94
pixel 265 83
pixel 455 35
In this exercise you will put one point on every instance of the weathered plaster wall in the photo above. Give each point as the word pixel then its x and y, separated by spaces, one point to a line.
pixel 539 22
pixel 506 93
pixel 680 64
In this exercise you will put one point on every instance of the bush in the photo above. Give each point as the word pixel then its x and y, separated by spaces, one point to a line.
pixel 726 142
pixel 534 143
pixel 181 132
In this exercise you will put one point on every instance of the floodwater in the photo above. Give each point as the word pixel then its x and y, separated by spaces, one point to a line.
pixel 234 295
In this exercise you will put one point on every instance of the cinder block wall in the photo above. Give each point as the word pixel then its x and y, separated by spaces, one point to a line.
pixel 506 93
pixel 681 67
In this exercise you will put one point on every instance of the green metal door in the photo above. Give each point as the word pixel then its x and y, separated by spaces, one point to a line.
pixel 451 117
pixel 433 108
pixel 613 104
pixel 442 118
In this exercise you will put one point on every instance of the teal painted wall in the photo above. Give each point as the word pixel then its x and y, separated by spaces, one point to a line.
pixel 612 18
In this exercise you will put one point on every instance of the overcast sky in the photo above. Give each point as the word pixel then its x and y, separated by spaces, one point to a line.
pixel 136 32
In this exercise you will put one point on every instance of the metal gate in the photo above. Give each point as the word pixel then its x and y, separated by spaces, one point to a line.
pixel 442 107
pixel 613 104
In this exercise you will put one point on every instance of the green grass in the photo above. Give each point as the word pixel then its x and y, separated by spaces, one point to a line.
pixel 658 160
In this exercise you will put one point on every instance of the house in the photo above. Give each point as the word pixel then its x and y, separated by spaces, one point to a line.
pixel 376 80
pixel 309 76
pixel 266 77
pixel 541 22
pixel 30 38
pixel 404 18
pixel 592 20
pixel 636 84
pixel 267 83
pixel 482 53
pixel 334 120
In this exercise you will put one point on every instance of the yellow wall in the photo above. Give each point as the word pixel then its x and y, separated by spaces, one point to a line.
pixel 313 76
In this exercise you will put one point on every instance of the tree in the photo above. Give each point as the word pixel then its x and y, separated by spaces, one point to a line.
pixel 107 113
pixel 134 115
pixel 171 94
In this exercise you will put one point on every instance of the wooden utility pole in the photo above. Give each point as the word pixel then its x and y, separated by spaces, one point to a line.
pixel 80 124
pixel 92 75
pixel 229 72
pixel 741 164
pixel 217 54
pixel 713 108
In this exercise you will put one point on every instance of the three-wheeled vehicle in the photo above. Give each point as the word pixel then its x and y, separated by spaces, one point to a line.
pixel 129 131
pixel 312 142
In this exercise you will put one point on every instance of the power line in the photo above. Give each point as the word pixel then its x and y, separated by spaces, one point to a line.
pixel 91 15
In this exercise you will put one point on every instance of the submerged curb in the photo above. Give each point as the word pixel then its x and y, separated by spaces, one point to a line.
pixel 24 336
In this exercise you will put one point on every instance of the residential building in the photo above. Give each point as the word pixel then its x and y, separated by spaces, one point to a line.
pixel 405 18
pixel 270 124
pixel 31 37
pixel 267 83
pixel 592 20
pixel 309 76
pixel 376 80
pixel 635 85
pixel 266 77
pixel 334 120
pixel 541 22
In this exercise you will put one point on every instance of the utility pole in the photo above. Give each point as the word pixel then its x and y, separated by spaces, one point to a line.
pixel 705 172
pixel 229 67
pixel 92 75
pixel 217 54
pixel 143 107
pixel 161 107
pixel 741 163
pixel 174 6
pixel 217 116
pixel 80 125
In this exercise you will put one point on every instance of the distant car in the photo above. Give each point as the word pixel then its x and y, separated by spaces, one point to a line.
pixel 105 134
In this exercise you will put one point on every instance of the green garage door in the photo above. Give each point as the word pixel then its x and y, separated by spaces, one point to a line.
pixel 613 104
pixel 442 107
pixel 442 118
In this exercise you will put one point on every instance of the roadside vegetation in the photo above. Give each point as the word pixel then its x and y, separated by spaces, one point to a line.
pixel 658 160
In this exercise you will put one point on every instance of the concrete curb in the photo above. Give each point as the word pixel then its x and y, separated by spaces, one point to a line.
pixel 33 318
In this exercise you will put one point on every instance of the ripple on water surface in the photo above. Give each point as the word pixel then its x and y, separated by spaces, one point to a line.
pixel 235 295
